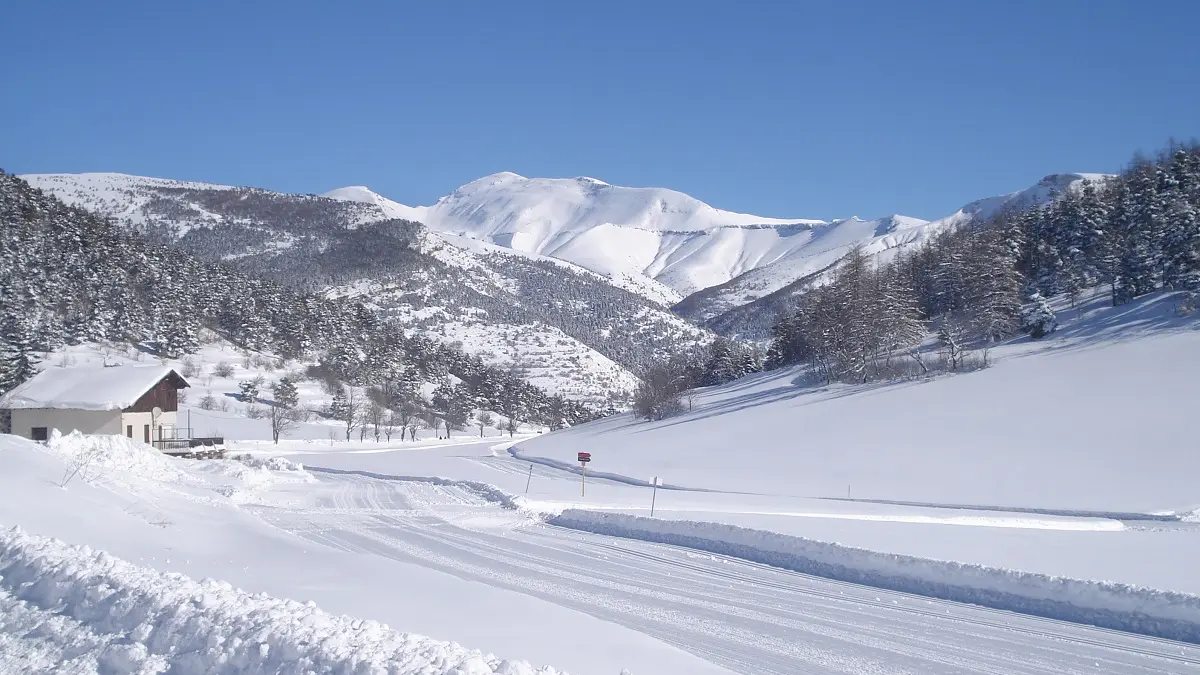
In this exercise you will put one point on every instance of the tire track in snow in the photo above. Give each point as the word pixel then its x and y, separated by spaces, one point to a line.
pixel 744 616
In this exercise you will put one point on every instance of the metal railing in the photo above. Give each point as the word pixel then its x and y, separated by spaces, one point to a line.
pixel 212 446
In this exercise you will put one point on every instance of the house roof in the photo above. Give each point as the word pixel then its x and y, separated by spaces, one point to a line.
pixel 114 388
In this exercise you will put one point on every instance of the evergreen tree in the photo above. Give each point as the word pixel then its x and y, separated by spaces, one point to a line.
pixel 18 361
pixel 285 394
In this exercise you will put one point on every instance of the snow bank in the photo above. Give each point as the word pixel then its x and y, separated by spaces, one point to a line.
pixel 1124 607
pixel 484 491
pixel 65 607
pixel 113 456
pixel 242 478
pixel 272 464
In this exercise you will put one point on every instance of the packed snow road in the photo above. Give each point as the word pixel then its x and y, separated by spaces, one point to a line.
pixel 746 617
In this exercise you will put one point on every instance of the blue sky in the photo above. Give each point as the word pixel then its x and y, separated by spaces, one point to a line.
pixel 784 109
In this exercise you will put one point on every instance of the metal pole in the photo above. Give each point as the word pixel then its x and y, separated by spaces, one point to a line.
pixel 653 496
pixel 530 479
pixel 582 479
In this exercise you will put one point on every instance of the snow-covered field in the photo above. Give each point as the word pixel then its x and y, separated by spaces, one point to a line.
pixel 456 559
pixel 1038 516
pixel 1092 418
pixel 195 519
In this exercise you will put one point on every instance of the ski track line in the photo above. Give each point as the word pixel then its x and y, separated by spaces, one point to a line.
pixel 744 615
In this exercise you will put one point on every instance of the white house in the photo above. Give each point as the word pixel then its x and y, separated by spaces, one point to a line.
pixel 138 401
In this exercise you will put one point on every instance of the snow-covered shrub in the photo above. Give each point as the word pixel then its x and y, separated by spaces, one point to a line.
pixel 1187 304
pixel 188 367
pixel 1037 318
pixel 223 369
pixel 250 389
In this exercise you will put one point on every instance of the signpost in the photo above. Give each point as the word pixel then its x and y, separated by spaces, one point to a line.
pixel 653 496
pixel 584 458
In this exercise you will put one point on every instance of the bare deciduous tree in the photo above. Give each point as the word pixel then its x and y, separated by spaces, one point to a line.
pixel 282 421
pixel 484 420
pixel 375 416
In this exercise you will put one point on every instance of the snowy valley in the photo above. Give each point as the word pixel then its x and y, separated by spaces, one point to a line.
pixel 966 449
pixel 978 537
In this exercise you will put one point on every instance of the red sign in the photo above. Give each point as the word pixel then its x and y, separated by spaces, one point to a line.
pixel 585 457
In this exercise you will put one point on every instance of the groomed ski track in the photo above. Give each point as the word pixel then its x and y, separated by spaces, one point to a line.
pixel 747 617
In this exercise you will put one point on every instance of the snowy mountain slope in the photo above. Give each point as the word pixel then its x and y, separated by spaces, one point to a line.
pixel 172 208
pixel 746 306
pixel 389 208
pixel 1089 418
pixel 564 326
pixel 656 292
pixel 617 231
pixel 808 252
pixel 674 240
pixel 452 288
pixel 1042 192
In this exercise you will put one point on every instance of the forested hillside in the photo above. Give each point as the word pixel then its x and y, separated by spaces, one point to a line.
pixel 68 276
pixel 1132 234
pixel 452 289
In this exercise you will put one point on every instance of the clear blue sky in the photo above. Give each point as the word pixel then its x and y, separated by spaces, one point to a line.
pixel 784 109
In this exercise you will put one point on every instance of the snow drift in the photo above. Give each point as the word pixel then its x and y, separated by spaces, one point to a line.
pixel 73 609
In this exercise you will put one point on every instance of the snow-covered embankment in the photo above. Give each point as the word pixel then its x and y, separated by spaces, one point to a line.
pixel 1135 609
pixel 70 609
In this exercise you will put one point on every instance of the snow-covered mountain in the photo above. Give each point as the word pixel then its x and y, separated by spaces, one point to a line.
pixel 667 245
pixel 746 306
pixel 563 327
pixel 724 270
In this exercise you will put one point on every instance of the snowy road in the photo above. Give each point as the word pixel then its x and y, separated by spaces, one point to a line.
pixel 746 617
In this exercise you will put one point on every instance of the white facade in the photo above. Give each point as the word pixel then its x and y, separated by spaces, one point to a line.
pixel 66 420
pixel 134 425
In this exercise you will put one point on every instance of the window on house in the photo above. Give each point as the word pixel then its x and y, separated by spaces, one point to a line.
pixel 39 433
pixel 146 433
pixel 129 431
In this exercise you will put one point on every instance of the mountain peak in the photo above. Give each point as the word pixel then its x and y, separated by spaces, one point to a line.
pixel 365 195
pixel 353 193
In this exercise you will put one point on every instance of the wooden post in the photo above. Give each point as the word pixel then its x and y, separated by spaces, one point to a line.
pixel 530 479
pixel 653 496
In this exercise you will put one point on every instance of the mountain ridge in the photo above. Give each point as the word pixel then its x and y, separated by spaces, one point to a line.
pixel 665 238
pixel 714 268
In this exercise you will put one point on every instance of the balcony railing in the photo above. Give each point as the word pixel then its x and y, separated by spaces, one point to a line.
pixel 212 447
